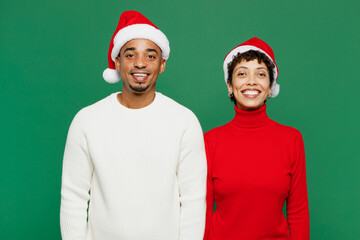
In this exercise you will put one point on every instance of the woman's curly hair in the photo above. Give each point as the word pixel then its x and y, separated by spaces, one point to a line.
pixel 248 56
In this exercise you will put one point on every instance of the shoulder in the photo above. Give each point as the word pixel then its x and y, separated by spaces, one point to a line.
pixel 285 130
pixel 175 110
pixel 217 132
pixel 92 111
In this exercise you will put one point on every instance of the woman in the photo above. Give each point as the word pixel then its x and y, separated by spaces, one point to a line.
pixel 254 163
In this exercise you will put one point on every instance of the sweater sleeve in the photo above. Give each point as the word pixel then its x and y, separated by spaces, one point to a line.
pixel 192 182
pixel 210 191
pixel 297 202
pixel 75 187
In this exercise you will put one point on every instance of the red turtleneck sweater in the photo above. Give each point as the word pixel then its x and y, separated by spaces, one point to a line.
pixel 254 165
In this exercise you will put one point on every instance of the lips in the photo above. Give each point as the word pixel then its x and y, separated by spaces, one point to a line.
pixel 251 93
pixel 140 76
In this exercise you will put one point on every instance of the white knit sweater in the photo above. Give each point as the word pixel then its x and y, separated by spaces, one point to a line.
pixel 143 171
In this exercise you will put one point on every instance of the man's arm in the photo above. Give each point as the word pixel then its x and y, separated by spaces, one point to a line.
pixel 76 179
pixel 192 182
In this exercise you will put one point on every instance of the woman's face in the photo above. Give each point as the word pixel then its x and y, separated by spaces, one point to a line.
pixel 250 84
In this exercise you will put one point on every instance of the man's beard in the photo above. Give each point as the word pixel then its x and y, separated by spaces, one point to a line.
pixel 139 88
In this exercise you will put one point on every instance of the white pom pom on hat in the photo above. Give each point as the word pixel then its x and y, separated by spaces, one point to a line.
pixel 258 45
pixel 133 25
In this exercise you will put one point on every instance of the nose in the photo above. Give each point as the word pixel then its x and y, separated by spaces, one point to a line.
pixel 252 80
pixel 139 62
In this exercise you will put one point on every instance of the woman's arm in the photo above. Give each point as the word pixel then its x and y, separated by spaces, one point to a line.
pixel 210 191
pixel 297 202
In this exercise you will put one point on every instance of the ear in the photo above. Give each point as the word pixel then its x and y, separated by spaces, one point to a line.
pixel 162 65
pixel 117 63
pixel 229 87
pixel 269 92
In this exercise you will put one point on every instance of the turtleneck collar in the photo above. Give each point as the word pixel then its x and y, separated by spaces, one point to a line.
pixel 250 119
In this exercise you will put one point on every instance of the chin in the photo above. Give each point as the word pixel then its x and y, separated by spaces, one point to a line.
pixel 139 88
pixel 249 107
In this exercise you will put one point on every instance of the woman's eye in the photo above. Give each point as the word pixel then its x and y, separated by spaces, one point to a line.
pixel 262 74
pixel 241 74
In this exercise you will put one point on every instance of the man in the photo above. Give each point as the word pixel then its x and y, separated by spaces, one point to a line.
pixel 134 164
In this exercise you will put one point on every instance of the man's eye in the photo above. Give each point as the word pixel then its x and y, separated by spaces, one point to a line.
pixel 129 55
pixel 151 56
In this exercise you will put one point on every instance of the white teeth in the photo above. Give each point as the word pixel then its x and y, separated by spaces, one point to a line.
pixel 140 74
pixel 251 92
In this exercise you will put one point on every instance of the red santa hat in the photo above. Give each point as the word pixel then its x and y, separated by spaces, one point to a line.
pixel 133 25
pixel 257 45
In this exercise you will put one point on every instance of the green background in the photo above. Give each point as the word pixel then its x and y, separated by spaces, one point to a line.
pixel 53 54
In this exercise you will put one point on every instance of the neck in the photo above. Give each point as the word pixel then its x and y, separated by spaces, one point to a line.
pixel 136 100
pixel 251 119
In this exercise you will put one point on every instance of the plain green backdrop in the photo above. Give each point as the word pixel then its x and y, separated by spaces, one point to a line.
pixel 53 54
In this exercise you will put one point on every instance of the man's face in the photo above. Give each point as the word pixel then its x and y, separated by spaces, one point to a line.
pixel 140 63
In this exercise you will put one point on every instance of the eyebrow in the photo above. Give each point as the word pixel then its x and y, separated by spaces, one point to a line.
pixel 239 68
pixel 129 49
pixel 248 68
pixel 133 49
pixel 151 50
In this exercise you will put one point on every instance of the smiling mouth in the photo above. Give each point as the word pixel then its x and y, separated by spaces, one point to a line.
pixel 251 93
pixel 140 77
